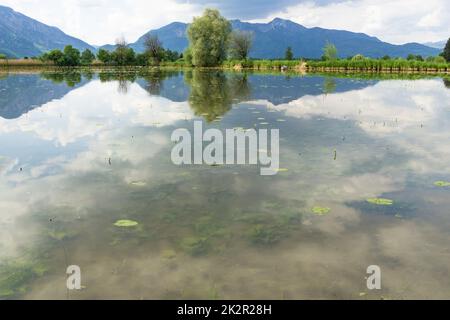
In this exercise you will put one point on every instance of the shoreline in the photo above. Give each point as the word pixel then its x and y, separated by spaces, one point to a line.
pixel 304 70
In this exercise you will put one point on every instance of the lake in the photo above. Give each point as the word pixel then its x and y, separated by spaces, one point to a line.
pixel 363 180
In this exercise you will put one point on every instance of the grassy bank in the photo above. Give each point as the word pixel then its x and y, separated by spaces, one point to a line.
pixel 378 65
pixel 348 66
pixel 262 64
pixel 365 65
pixel 21 63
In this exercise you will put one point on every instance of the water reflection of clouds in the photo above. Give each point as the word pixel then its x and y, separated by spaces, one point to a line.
pixel 94 108
pixel 409 102
pixel 412 116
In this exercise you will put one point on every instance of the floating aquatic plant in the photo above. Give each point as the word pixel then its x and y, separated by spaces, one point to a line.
pixel 381 201
pixel 168 254
pixel 320 211
pixel 442 184
pixel 138 183
pixel 125 223
pixel 386 206
pixel 57 235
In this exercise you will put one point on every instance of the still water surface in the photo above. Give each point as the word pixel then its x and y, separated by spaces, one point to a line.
pixel 80 151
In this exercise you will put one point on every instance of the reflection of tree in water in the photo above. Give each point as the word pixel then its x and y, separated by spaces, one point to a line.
pixel 154 84
pixel 123 86
pixel 124 79
pixel 240 87
pixel 88 75
pixel 155 80
pixel 213 93
pixel 447 82
pixel 70 78
pixel 329 85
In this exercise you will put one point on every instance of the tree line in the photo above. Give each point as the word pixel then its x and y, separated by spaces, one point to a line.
pixel 123 55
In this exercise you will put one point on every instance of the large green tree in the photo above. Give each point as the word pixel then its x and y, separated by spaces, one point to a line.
pixel 87 57
pixel 71 56
pixel 208 39
pixel 240 44
pixel 123 55
pixel 104 56
pixel 56 56
pixel 330 51
pixel 446 53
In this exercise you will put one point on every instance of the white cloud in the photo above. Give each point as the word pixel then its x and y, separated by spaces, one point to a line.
pixel 397 21
pixel 102 21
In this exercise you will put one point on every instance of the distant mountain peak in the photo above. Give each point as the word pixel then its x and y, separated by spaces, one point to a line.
pixel 281 21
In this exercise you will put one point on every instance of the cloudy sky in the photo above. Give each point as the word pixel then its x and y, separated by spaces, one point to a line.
pixel 102 21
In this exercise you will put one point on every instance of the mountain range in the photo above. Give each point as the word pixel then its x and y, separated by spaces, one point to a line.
pixel 22 36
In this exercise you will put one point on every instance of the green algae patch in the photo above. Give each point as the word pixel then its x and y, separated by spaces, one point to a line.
pixel 195 246
pixel 442 184
pixel 16 276
pixel 125 223
pixel 264 235
pixel 380 201
pixel 321 211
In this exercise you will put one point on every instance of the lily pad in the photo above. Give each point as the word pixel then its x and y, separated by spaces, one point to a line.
pixel 57 235
pixel 168 254
pixel 320 211
pixel 125 223
pixel 138 183
pixel 381 201
pixel 442 184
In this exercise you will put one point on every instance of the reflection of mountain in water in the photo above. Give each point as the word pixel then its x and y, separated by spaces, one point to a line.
pixel 276 89
pixel 21 93
pixel 168 85
pixel 281 89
